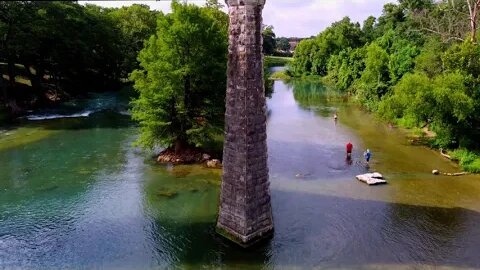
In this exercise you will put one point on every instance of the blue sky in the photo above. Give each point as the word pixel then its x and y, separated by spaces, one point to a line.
pixel 300 18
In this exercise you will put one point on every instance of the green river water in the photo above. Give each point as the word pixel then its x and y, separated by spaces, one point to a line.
pixel 75 194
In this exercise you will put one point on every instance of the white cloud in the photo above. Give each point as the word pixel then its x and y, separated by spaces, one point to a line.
pixel 308 17
pixel 301 18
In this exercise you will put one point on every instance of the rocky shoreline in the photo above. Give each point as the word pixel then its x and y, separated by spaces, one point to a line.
pixel 188 156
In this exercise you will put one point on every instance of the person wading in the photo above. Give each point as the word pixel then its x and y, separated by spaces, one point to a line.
pixel 349 147
pixel 367 155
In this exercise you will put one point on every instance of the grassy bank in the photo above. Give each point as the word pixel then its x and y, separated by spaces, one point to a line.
pixel 275 61
pixel 280 75
pixel 469 160
pixel 417 134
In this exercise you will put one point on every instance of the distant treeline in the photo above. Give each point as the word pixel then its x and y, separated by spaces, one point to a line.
pixel 276 46
pixel 417 65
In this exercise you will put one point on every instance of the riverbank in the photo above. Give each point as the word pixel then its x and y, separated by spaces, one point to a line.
pixel 468 160
pixel 286 75
pixel 276 61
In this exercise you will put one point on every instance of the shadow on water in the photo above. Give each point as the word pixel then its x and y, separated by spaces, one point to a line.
pixel 333 231
pixel 325 231
pixel 197 245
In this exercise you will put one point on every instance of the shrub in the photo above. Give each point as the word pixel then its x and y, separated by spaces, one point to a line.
pixel 469 161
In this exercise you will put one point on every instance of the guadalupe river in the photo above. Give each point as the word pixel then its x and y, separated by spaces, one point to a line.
pixel 75 194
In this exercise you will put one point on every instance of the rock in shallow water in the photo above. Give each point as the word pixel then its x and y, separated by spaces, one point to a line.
pixel 371 178
pixel 214 163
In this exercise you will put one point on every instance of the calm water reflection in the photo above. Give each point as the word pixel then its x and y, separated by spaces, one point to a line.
pixel 74 193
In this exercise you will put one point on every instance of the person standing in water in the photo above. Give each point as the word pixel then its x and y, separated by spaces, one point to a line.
pixel 367 155
pixel 349 148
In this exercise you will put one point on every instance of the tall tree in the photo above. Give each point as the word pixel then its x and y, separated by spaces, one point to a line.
pixel 368 28
pixel 269 43
pixel 473 6
pixel 213 4
pixel 283 44
pixel 449 19
pixel 182 78
pixel 15 18
pixel 136 24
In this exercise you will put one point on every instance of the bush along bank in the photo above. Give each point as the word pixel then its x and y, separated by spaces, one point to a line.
pixel 405 74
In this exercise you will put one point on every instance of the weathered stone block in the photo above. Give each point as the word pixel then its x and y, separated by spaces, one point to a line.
pixel 246 215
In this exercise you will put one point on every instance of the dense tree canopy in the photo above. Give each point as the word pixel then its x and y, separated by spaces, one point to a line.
pixel 416 65
pixel 283 44
pixel 180 103
pixel 54 48
pixel 312 55
pixel 269 41
pixel 136 24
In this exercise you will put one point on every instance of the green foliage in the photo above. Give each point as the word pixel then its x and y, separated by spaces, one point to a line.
pixel 269 41
pixel 276 61
pixel 464 57
pixel 443 102
pixel 469 161
pixel 374 81
pixel 346 67
pixel 312 55
pixel 283 44
pixel 392 16
pixel 302 63
pixel 136 24
pixel 64 48
pixel 429 60
pixel 280 75
pixel 407 66
pixel 368 29
pixel 412 101
pixel 179 102
pixel 402 59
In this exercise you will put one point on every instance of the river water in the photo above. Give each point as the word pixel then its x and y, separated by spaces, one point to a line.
pixel 75 194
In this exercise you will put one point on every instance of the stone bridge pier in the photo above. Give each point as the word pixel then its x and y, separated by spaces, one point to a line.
pixel 245 214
